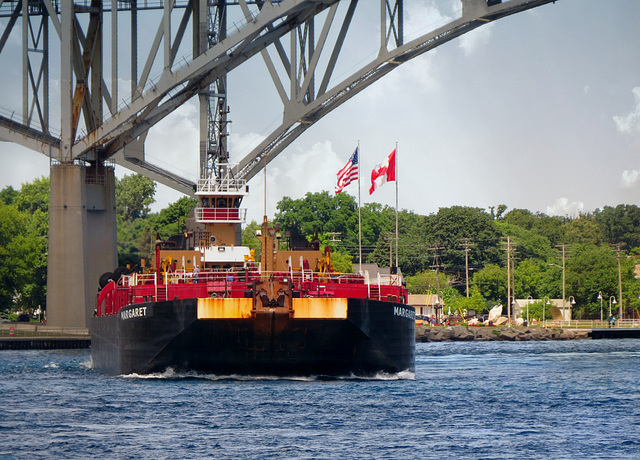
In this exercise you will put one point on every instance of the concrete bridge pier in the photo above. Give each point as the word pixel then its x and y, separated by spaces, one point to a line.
pixel 82 240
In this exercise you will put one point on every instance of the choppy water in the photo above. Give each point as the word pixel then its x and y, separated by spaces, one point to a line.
pixel 492 400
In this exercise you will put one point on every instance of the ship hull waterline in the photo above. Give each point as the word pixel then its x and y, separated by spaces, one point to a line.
pixel 375 337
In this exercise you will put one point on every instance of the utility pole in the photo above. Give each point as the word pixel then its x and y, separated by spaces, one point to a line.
pixel 510 284
pixel 564 280
pixel 509 279
pixel 389 237
pixel 333 236
pixel 436 265
pixel 390 255
pixel 466 245
pixel 563 248
pixel 618 249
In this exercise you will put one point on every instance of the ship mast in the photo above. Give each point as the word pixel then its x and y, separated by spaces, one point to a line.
pixel 218 216
pixel 214 155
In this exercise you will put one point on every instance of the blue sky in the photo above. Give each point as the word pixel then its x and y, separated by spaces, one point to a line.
pixel 540 110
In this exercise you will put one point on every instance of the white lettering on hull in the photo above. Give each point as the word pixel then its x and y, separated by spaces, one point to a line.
pixel 137 312
pixel 404 312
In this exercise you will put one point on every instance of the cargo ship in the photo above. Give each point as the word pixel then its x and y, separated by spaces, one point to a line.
pixel 208 305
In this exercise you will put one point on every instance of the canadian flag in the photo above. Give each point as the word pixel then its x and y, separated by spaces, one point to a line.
pixel 383 172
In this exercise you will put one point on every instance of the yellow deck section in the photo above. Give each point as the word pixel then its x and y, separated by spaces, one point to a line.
pixel 212 308
pixel 303 308
pixel 312 307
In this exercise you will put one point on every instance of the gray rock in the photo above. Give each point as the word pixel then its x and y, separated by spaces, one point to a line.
pixel 461 334
pixel 484 334
pixel 508 334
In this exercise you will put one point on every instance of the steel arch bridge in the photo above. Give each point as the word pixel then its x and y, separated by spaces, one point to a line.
pixel 190 50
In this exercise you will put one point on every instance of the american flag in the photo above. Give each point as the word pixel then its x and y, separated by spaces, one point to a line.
pixel 349 173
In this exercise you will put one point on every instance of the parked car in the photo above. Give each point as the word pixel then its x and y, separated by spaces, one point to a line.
pixel 24 317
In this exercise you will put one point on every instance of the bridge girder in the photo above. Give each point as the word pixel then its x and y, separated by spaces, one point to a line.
pixel 95 127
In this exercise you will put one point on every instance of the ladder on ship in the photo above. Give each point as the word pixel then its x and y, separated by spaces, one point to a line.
pixel 161 292
pixel 374 292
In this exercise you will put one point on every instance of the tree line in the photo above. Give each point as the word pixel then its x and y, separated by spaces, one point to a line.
pixel 435 251
pixel 24 229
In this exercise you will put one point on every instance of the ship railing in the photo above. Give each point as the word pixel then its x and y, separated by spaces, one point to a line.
pixel 221 215
pixel 389 280
pixel 112 298
pixel 188 277
pixel 235 282
pixel 594 324
pixel 307 275
pixel 316 283
pixel 137 279
pixel 230 275
pixel 297 276
pixel 224 185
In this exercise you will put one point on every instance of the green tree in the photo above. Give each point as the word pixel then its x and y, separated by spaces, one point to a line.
pixel 34 196
pixel 250 239
pixel 337 215
pixel 462 305
pixel 583 230
pixel 8 195
pixel 620 224
pixel 170 221
pixel 520 217
pixel 23 246
pixel 341 262
pixel 474 302
pixel 453 227
pixel 528 244
pixel 413 245
pixel 540 310
pixel 589 270
pixel 426 282
pixel 318 211
pixel 491 282
pixel 497 212
pixel 377 220
pixel 134 194
pixel 23 268
pixel 536 278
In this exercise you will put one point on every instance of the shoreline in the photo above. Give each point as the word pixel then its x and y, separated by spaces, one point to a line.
pixel 460 333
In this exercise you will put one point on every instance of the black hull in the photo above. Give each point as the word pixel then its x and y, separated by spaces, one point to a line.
pixel 376 337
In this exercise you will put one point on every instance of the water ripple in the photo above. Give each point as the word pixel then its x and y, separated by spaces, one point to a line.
pixel 483 400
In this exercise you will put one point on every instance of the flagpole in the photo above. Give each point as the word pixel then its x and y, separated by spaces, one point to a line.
pixel 396 170
pixel 359 211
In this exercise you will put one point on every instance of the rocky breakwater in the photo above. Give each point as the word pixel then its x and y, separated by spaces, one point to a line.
pixel 467 333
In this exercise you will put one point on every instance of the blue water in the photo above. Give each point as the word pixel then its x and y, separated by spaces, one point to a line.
pixel 491 400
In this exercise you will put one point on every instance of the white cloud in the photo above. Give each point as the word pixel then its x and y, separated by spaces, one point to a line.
pixel 293 173
pixel 240 145
pixel 307 170
pixel 630 123
pixel 562 207
pixel 471 41
pixel 423 18
pixel 173 143
pixel 630 178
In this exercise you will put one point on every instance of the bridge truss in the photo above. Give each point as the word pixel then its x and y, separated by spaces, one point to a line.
pixel 96 123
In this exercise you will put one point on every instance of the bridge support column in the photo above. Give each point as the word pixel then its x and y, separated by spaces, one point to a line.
pixel 82 240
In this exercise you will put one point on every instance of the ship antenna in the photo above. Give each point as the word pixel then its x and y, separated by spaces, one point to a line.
pixel 265 187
